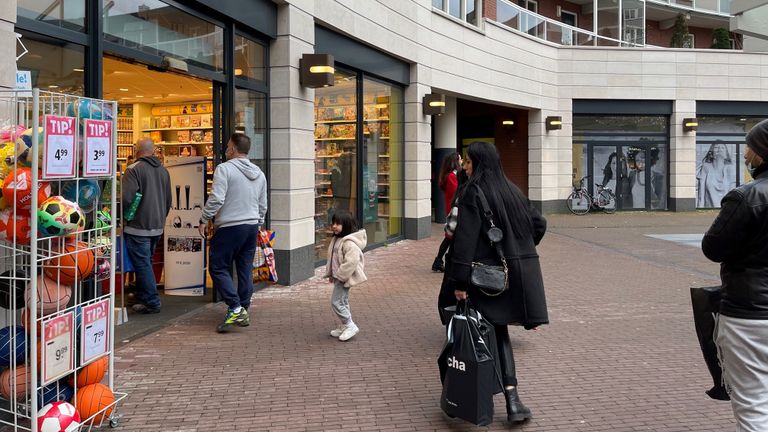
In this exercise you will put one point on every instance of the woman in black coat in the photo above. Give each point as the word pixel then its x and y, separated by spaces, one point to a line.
pixel 523 302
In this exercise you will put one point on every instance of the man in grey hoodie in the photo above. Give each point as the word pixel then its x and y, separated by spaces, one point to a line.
pixel 148 177
pixel 237 205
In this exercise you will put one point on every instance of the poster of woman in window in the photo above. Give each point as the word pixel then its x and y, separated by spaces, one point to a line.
pixel 715 173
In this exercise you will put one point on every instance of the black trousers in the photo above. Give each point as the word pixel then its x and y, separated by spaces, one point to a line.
pixel 443 249
pixel 506 358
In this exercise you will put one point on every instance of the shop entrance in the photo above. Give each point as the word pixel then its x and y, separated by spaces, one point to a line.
pixel 177 112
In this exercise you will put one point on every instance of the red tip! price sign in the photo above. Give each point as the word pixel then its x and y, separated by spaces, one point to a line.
pixel 97 158
pixel 94 339
pixel 59 154
pixel 58 341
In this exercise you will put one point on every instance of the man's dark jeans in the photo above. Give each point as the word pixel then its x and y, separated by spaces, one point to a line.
pixel 140 250
pixel 234 244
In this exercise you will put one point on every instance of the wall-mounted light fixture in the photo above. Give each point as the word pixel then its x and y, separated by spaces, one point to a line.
pixel 316 70
pixel 554 123
pixel 508 123
pixel 690 124
pixel 433 104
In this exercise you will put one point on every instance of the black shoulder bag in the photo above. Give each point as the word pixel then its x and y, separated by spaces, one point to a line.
pixel 491 280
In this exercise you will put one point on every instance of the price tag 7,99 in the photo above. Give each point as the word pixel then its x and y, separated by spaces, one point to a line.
pixel 97 159
pixel 58 340
pixel 59 153
pixel 95 336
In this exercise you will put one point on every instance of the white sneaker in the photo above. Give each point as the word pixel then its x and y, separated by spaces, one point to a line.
pixel 350 330
pixel 338 330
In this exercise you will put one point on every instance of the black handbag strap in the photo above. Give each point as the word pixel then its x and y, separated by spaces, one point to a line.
pixel 489 216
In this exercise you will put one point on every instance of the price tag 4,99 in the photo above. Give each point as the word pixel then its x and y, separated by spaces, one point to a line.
pixel 59 154
pixel 97 158
pixel 57 347
pixel 95 336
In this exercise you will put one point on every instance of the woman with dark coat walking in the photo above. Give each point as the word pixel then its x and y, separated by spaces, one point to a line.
pixel 523 302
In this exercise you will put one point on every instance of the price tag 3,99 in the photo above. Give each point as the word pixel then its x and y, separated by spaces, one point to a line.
pixel 95 335
pixel 59 154
pixel 57 347
pixel 97 157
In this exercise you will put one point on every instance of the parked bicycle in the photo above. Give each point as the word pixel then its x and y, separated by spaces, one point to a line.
pixel 580 202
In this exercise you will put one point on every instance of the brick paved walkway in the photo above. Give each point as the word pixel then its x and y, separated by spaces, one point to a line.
pixel 620 354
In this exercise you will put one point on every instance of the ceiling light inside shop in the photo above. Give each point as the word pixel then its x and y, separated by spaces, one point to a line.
pixel 78 70
pixel 139 96
pixel 508 122
pixel 238 71
pixel 53 86
pixel 124 89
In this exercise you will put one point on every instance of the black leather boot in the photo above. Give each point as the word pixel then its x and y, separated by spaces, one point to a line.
pixel 516 411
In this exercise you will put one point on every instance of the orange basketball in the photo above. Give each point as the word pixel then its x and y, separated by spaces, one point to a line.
pixel 76 260
pixel 93 398
pixel 18 387
pixel 51 297
pixel 92 373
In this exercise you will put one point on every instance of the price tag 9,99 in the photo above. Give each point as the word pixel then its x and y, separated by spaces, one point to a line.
pixel 97 158
pixel 57 347
pixel 95 335
pixel 59 154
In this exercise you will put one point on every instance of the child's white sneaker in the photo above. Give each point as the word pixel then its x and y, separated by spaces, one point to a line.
pixel 350 330
pixel 338 330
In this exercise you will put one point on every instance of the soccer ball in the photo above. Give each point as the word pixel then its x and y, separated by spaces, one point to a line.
pixel 15 227
pixel 87 109
pixel 24 146
pixel 58 417
pixel 59 217
pixel 103 220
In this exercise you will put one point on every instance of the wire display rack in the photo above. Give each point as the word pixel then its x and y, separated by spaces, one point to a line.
pixel 57 231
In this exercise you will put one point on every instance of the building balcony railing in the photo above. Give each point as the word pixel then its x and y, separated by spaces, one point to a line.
pixel 719 7
pixel 522 20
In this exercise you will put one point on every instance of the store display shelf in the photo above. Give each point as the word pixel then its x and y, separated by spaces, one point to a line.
pixel 320 173
pixel 121 158
pixel 323 196
pixel 336 139
pixel 329 156
pixel 125 130
pixel 323 184
pixel 384 173
pixel 186 143
pixel 383 184
pixel 383 119
pixel 334 121
pixel 384 156
pixel 124 144
pixel 178 129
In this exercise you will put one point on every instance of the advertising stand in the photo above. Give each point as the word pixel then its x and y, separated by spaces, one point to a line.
pixel 57 171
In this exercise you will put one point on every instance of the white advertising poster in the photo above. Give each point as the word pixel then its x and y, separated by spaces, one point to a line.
pixel 184 248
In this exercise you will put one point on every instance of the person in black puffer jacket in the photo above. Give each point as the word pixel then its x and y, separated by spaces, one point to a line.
pixel 738 239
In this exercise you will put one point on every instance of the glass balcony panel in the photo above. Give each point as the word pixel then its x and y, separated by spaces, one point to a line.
pixel 559 34
pixel 725 6
pixel 507 14
pixel 709 5
pixel 607 42
pixel 584 39
pixel 532 25
pixel 686 3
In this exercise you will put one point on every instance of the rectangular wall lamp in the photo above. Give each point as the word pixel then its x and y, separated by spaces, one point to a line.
pixel 433 104
pixel 690 124
pixel 316 70
pixel 507 122
pixel 554 123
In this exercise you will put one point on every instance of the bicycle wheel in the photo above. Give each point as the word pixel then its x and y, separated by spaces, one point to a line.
pixel 607 201
pixel 579 202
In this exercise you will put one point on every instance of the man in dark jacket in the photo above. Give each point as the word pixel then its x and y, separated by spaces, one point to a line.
pixel 738 239
pixel 142 232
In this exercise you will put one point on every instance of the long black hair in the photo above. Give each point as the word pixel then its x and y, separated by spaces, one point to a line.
pixel 510 206
pixel 346 220
pixel 450 163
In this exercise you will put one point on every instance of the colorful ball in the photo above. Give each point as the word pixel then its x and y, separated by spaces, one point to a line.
pixel 15 227
pixel 14 382
pixel 93 398
pixel 58 216
pixel 17 188
pixel 58 417
pixel 92 373
pixel 74 260
pixel 103 221
pixel 85 192
pixel 23 149
pixel 13 344
pixel 8 279
pixel 87 109
pixel 10 133
pixel 51 296
pixel 55 392
pixel 7 158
